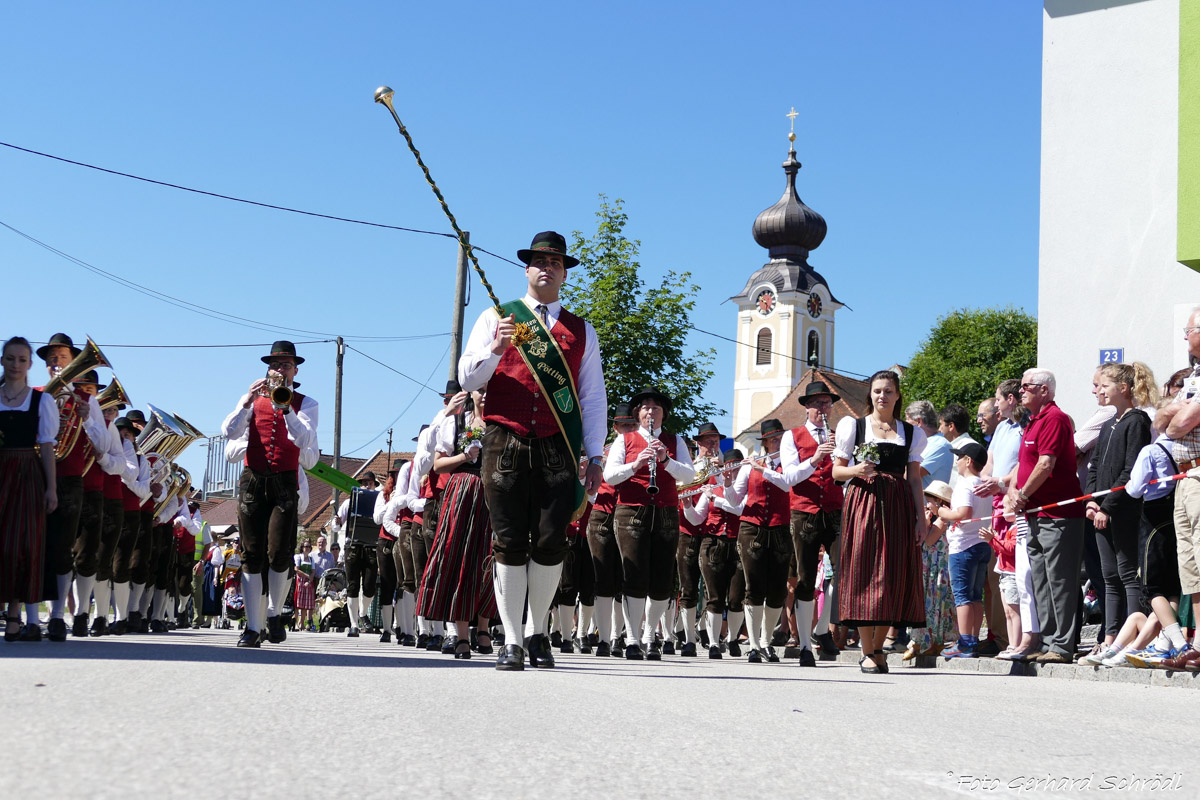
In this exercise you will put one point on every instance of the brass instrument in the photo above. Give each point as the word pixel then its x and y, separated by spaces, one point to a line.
pixel 279 393
pixel 708 466
pixel 178 482
pixel 70 425
pixel 695 489
pixel 114 395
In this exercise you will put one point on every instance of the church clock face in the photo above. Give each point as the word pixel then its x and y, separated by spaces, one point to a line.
pixel 814 306
pixel 765 302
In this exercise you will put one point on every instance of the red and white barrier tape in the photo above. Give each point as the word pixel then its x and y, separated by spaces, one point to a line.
pixel 1085 497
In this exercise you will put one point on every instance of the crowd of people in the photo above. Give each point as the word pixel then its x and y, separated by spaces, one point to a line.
pixel 514 527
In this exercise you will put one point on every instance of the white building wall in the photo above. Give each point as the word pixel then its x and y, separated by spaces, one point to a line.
pixel 1107 270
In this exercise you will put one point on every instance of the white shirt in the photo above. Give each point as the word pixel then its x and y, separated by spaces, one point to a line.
pixel 416 503
pixel 965 535
pixel 111 457
pixel 698 513
pixel 444 443
pixel 301 428
pixel 47 429
pixel 167 513
pixel 478 364
pixel 617 471
pixel 795 470
pixel 94 426
pixel 137 479
pixel 844 439
pixel 741 484
pixel 423 457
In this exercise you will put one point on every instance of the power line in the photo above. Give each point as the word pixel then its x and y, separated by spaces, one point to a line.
pixel 776 352
pixel 404 411
pixel 257 344
pixel 393 369
pixel 251 202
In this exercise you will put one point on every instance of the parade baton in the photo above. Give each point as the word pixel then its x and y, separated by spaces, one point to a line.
pixel 1073 500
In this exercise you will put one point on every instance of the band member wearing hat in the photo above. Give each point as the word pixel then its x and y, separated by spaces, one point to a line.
pixel 546 408
pixel 646 467
pixel 687 557
pixel 132 541
pixel 879 567
pixel 280 440
pixel 355 524
pixel 113 521
pixel 805 453
pixel 578 581
pixel 719 521
pixel 388 509
pixel 602 543
pixel 28 490
pixel 163 562
pixel 764 540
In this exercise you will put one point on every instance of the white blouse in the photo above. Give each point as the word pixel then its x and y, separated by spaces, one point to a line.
pixel 844 439
pixel 47 416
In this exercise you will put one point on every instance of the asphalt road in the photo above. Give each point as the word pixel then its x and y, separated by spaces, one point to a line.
pixel 186 714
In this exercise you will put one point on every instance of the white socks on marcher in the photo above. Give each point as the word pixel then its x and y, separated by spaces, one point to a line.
pixel 385 618
pixel 511 585
pixel 103 593
pixel 770 620
pixel 566 615
pixel 689 624
pixel 632 608
pixel 136 590
pixel 804 615
pixel 543 585
pixel 754 618
pixel 655 610
pixel 120 601
pixel 712 621
pixel 83 593
pixel 604 608
pixel 63 584
pixel 585 620
pixel 277 586
pixel 352 606
pixel 33 613
pixel 734 618
pixel 252 597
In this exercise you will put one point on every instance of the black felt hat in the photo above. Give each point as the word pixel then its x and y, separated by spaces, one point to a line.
pixel 123 423
pixel 283 348
pixel 90 377
pixel 398 463
pixel 548 242
pixel 769 427
pixel 418 436
pixel 452 388
pixel 708 428
pixel 651 392
pixel 813 389
pixel 58 340
pixel 733 454
pixel 622 413
pixel 136 416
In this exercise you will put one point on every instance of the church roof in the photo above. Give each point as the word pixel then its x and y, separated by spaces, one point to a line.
pixel 852 391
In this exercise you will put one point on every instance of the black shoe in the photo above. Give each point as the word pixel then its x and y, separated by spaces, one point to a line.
pixel 263 638
pixel 435 643
pixel 585 645
pixel 593 640
pixel 462 650
pixel 703 636
pixel 79 626
pixel 99 626
pixel 633 652
pixel 987 647
pixel 386 636
pixel 688 650
pixel 755 656
pixel 56 630
pixel 556 639
pixel 735 649
pixel 668 648
pixel 512 658
pixel 448 644
pixel 871 670
pixel 422 641
pixel 143 624
pixel 540 656
pixel 620 643
pixel 603 650
pixel 133 622
pixel 714 652
pixel 655 651
pixel 30 633
pixel 117 628
pixel 807 659
pixel 248 638
pixel 409 640
pixel 772 656
pixel 827 647
pixel 158 626
pixel 780 638
pixel 352 633
pixel 618 650
pixel 567 646
pixel 276 632
pixel 484 649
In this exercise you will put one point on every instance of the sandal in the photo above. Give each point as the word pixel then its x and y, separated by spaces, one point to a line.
pixel 482 648
pixel 462 649
pixel 871 670
pixel 889 643
pixel 11 634
pixel 882 663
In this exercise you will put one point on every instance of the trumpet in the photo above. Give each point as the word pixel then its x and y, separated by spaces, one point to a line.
pixel 277 391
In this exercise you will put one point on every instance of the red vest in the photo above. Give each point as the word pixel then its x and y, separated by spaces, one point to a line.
pixel 129 500
pixel 269 449
pixel 686 527
pixel 72 466
pixel 383 532
pixel 633 491
pixel 766 504
pixel 819 492
pixel 112 487
pixel 185 543
pixel 513 397
pixel 93 479
pixel 579 527
pixel 606 498
pixel 720 522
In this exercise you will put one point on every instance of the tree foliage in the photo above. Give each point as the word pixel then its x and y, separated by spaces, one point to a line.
pixel 642 331
pixel 969 352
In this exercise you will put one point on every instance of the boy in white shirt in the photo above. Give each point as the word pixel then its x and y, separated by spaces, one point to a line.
pixel 969 553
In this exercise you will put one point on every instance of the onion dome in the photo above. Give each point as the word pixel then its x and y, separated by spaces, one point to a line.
pixel 789 229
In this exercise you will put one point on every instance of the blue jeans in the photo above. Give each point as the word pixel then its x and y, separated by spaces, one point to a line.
pixel 968 573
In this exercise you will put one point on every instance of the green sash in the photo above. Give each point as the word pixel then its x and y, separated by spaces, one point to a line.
pixel 548 366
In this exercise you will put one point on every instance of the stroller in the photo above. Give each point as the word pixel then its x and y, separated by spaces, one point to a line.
pixel 331 600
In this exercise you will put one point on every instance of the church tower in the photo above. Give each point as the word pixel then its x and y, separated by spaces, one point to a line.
pixel 786 311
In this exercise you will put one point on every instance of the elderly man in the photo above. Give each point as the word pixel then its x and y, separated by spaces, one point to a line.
pixel 1180 421
pixel 1046 475
pixel 937 462
pixel 988 417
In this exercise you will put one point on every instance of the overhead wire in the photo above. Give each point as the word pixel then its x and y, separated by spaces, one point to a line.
pixel 405 409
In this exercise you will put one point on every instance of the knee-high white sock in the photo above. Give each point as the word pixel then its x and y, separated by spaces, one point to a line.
pixel 734 618
pixel 655 610
pixel 136 590
pixel 804 614
pixel 262 604
pixel 277 586
pixel 618 618
pixel 158 598
pixel 364 607
pixel 633 608
pixel 103 593
pixel 566 616
pixel 822 626
pixel 511 584
pixel 770 620
pixel 57 607
pixel 423 626
pixel 145 600
pixel 754 618
pixel 712 622
pixel 385 618
pixel 604 607
pixel 404 615
pixel 352 606
pixel 668 623
pixel 83 593
pixel 554 623
pixel 543 585
pixel 120 601
pixel 33 613
pixel 437 628
pixel 689 625
pixel 252 597
pixel 585 620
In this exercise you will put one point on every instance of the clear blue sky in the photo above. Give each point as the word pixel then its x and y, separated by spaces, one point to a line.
pixel 918 131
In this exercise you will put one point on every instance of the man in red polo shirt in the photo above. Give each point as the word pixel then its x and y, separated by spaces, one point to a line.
pixel 1046 474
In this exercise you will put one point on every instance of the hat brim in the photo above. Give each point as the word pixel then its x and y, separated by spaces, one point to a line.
pixel 526 256
pixel 780 432
pixel 710 433
pixel 44 349
pixel 662 399
pixel 269 359
pixel 804 400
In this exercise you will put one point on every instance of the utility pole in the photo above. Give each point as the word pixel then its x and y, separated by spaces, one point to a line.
pixel 337 415
pixel 460 289
pixel 389 458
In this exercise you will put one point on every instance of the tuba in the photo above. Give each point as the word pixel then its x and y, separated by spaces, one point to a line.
pixel 113 396
pixel 70 425
pixel 165 435
pixel 706 468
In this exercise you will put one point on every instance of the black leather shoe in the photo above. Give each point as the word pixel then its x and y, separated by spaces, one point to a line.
pixel 30 633
pixel 593 640
pixel 772 656
pixel 422 641
pixel 539 652
pixel 603 650
pixel 79 625
pixel 435 643
pixel 158 626
pixel 133 622
pixel 462 650
pixel 780 637
pixel 409 640
pixel 143 624
pixel 688 650
pixel 117 628
pixel 703 637
pixel 99 626
pixel 56 630
pixel 248 638
pixel 448 645
pixel 511 658
pixel 654 652
pixel 633 652
pixel 735 649
pixel 263 638
pixel 620 643
pixel 807 659
pixel 827 647
pixel 276 633
pixel 386 636
pixel 668 648
pixel 871 670
pixel 567 646
pixel 755 657
pixel 585 645
pixel 714 652
pixel 556 639
pixel 352 633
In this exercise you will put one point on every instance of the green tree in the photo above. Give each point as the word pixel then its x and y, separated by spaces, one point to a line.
pixel 969 352
pixel 642 331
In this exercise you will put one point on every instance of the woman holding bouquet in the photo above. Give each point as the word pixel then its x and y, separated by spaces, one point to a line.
pixel 457 583
pixel 883 527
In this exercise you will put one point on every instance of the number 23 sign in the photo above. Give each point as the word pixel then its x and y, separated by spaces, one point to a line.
pixel 1115 355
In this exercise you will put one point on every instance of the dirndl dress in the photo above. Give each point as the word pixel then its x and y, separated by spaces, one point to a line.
pixel 457 582
pixel 22 505
pixel 306 590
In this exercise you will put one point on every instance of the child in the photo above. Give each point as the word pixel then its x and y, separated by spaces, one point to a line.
pixel 969 553
pixel 1005 545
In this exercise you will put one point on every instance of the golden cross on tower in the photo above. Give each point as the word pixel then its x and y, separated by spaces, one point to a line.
pixel 791 115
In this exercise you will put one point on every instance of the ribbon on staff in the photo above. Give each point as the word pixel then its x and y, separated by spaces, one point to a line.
pixel 1073 500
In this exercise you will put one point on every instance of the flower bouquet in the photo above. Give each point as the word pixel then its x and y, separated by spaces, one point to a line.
pixel 471 437
pixel 869 453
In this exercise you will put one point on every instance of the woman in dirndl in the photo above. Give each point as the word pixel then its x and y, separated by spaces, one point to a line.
pixel 305 598
pixel 457 583
pixel 883 522
pixel 28 425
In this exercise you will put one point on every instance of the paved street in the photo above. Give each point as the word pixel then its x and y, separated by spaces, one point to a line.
pixel 186 714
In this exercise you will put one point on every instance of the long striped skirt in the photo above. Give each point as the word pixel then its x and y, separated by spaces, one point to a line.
pixel 879 569
pixel 457 582
pixel 22 525
pixel 939 599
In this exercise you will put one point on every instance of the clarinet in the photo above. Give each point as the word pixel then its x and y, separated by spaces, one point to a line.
pixel 652 487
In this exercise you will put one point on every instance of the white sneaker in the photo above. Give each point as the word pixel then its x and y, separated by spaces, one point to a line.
pixel 1116 660
pixel 1096 657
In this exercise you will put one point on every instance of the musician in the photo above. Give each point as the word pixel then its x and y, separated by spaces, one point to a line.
pixel 816 501
pixel 187 527
pixel 166 518
pixel 646 519
pixel 719 521
pixel 764 540
pixel 389 547
pixel 279 442
pixel 355 523
pixel 602 542
pixel 28 490
pixel 578 581
pixel 687 557
pixel 113 521
pixel 142 555
pixel 136 487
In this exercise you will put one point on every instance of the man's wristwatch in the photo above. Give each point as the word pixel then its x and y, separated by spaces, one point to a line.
pixel 595 460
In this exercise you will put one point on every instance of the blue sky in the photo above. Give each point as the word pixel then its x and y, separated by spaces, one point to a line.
pixel 918 131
